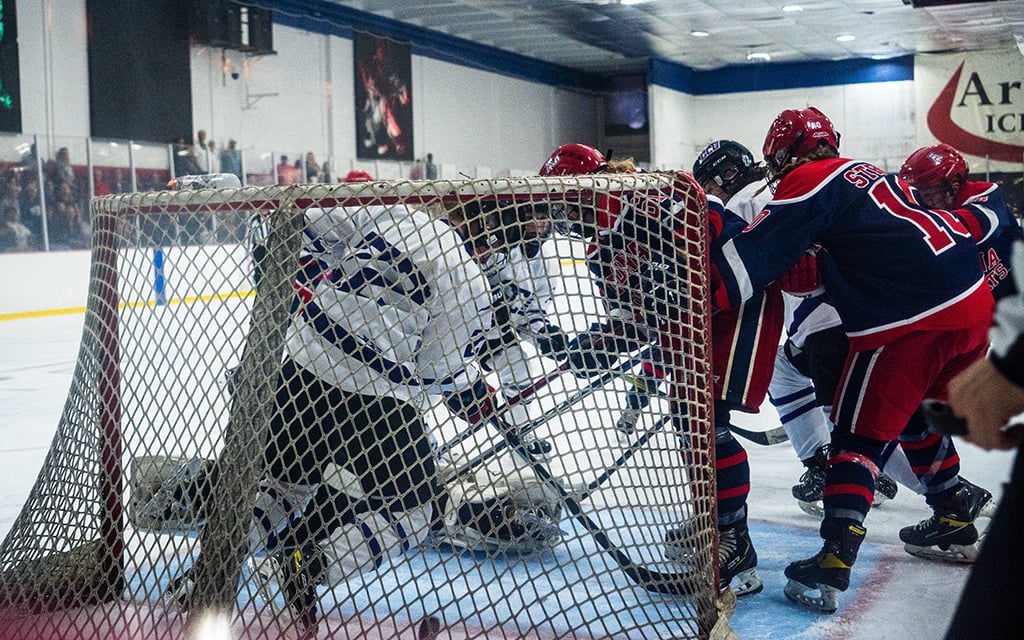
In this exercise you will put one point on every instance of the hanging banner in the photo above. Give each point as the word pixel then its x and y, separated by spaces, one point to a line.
pixel 973 102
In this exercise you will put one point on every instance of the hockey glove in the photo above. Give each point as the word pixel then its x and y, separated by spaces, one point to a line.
pixel 552 342
pixel 470 404
pixel 593 351
pixel 802 278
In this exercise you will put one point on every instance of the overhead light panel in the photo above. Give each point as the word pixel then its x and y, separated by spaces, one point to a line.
pixel 846 37
pixel 697 33
pixel 758 56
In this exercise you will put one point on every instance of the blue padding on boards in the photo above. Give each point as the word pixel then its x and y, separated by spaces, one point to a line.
pixel 159 281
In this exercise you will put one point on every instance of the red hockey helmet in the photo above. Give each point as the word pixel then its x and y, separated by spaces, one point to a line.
pixel 931 166
pixel 795 133
pixel 574 159
pixel 358 176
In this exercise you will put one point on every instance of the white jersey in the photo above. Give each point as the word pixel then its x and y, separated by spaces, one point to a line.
pixel 750 200
pixel 395 307
pixel 525 286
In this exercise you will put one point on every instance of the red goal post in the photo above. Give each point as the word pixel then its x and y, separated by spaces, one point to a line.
pixel 179 360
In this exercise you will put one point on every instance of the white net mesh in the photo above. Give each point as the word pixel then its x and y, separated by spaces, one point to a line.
pixel 360 421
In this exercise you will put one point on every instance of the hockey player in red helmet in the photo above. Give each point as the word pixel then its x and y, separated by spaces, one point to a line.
pixel 915 307
pixel 613 259
pixel 357 175
pixel 939 174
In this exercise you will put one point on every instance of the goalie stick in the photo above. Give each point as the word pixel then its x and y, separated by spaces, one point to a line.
pixel 649 579
pixel 776 435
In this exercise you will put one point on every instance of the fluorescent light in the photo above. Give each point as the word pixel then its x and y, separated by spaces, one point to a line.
pixel 846 37
pixel 699 34
pixel 758 56
pixel 792 8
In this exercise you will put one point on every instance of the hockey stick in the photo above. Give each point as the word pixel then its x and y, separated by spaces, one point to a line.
pixel 595 383
pixel 654 581
pixel 767 438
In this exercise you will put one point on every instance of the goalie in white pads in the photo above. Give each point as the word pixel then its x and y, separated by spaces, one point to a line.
pixel 388 316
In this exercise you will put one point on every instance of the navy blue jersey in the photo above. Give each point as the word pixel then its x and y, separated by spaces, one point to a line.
pixel 890 266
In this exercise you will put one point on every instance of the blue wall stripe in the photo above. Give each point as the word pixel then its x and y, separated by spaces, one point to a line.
pixel 320 16
pixel 770 76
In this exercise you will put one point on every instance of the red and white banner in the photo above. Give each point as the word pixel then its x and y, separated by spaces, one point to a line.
pixel 973 102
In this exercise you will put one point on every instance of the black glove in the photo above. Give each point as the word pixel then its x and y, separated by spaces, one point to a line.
pixel 593 351
pixel 470 404
pixel 552 342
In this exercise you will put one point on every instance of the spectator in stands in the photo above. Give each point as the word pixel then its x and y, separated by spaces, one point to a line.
pixel 14 236
pixel 65 170
pixel 231 160
pixel 313 171
pixel 30 206
pixel 100 185
pixel 326 170
pixel 431 168
pixel 200 150
pixel 65 226
pixel 287 173
pixel 185 162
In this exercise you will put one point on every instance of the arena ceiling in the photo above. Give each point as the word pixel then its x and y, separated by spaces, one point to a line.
pixel 620 36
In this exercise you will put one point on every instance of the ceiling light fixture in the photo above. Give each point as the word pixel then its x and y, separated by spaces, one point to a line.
pixel 792 8
pixel 758 56
pixel 846 37
pixel 699 34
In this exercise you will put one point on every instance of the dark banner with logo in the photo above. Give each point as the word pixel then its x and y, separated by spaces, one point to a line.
pixel 383 95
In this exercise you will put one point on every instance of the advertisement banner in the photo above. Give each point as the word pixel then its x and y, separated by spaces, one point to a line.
pixel 974 102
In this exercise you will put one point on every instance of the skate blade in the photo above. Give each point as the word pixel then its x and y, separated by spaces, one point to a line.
pixel 747 583
pixel 955 554
pixel 814 509
pixel 826 602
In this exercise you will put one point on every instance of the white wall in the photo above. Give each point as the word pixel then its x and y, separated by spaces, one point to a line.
pixel 301 99
pixel 876 120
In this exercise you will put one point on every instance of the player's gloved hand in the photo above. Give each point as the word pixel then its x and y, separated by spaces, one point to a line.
pixel 553 342
pixel 593 351
pixel 470 404
pixel 802 278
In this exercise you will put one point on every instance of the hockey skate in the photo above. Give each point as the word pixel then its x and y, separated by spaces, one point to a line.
pixel 626 424
pixel 287 581
pixel 949 535
pixel 737 559
pixel 809 491
pixel 827 572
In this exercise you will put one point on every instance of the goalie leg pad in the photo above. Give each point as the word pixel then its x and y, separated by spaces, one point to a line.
pixel 371 540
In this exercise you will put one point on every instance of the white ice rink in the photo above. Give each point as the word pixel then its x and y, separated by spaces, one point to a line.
pixel 894 595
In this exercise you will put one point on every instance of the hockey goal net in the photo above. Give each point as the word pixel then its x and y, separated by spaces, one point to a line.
pixel 178 388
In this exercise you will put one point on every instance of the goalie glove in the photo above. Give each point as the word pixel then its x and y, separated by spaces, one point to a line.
pixel 802 278
pixel 593 351
pixel 552 342
pixel 470 404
